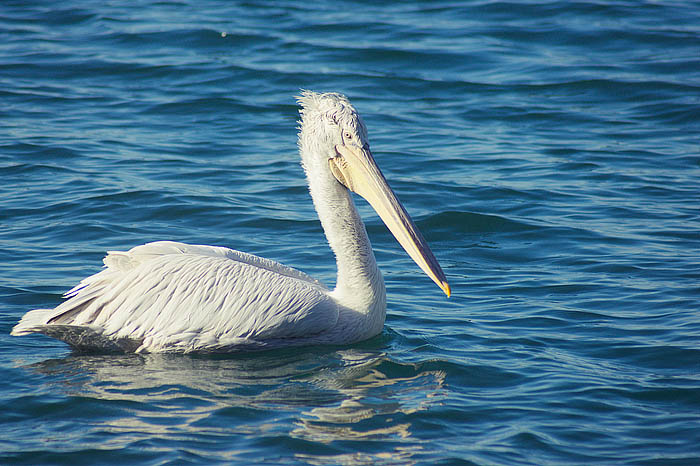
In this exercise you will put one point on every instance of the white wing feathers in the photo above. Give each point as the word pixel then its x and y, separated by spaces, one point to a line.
pixel 168 296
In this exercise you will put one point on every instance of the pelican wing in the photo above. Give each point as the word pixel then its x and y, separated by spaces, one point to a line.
pixel 168 296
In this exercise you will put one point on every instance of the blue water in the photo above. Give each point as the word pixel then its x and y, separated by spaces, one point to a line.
pixel 549 152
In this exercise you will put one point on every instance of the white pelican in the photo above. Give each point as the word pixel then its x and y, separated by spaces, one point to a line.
pixel 174 297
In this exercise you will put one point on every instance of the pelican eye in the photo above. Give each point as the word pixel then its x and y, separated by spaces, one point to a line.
pixel 347 136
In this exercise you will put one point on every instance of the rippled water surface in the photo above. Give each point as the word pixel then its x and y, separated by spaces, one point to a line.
pixel 548 151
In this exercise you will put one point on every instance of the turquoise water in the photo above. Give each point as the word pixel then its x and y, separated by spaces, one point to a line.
pixel 549 152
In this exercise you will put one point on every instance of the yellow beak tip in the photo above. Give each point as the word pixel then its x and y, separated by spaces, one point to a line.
pixel 446 288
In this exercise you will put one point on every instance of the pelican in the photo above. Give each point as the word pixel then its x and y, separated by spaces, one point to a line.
pixel 174 297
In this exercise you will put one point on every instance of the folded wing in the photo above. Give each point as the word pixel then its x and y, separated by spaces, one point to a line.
pixel 168 296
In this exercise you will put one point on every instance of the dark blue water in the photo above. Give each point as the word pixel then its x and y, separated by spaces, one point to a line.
pixel 549 152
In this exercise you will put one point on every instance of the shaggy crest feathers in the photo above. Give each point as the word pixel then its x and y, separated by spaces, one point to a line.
pixel 333 107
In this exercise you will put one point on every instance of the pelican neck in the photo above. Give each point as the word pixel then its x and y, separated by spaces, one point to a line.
pixel 359 282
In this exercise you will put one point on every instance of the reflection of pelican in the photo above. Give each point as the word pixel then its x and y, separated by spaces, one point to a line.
pixel 174 297
pixel 324 397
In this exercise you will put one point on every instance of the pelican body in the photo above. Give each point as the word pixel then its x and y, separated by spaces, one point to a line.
pixel 173 297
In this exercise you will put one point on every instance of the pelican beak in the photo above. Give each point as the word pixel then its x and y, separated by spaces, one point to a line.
pixel 355 168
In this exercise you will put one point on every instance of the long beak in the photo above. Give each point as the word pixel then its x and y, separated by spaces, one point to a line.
pixel 355 168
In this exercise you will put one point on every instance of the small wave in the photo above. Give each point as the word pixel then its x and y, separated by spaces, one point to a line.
pixel 470 222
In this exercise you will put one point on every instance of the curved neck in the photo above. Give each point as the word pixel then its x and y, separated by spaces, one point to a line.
pixel 359 284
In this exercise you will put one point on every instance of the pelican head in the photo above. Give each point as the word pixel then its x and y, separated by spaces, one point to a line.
pixel 333 144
